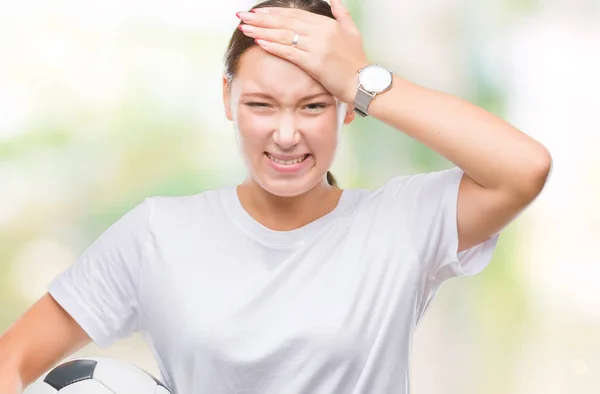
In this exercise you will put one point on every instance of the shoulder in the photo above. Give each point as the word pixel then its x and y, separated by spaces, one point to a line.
pixel 174 207
pixel 182 201
pixel 408 186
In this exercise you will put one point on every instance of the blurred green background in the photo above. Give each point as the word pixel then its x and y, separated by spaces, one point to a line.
pixel 103 104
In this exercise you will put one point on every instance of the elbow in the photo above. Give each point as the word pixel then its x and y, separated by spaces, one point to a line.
pixel 536 173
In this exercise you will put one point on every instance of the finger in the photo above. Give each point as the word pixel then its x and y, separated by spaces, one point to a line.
pixel 291 13
pixel 287 52
pixel 273 21
pixel 342 15
pixel 284 37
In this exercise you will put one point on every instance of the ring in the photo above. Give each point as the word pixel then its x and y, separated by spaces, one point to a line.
pixel 295 40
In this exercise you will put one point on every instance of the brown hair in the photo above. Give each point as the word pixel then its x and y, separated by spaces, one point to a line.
pixel 240 43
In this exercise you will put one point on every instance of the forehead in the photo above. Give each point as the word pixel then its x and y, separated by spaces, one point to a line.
pixel 260 71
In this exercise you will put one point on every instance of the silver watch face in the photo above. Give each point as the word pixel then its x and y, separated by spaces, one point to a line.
pixel 375 78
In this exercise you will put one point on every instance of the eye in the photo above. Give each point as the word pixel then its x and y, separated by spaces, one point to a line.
pixel 257 104
pixel 316 107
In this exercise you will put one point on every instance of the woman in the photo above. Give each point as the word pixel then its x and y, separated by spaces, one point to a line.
pixel 287 283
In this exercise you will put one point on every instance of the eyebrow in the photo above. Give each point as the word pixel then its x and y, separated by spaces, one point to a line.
pixel 269 97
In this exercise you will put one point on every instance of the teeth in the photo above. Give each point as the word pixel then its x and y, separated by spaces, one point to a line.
pixel 288 162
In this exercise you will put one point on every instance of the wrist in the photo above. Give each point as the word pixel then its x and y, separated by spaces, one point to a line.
pixel 372 81
pixel 351 90
pixel 353 82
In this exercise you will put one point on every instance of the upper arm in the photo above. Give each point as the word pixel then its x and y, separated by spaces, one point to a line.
pixel 42 337
pixel 482 212
pixel 101 289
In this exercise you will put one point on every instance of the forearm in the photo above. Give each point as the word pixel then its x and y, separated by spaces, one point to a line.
pixel 492 152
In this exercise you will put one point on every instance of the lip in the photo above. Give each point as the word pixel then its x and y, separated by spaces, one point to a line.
pixel 288 169
pixel 286 157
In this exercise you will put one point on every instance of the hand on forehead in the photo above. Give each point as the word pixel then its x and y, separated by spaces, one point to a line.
pixel 328 49
pixel 265 73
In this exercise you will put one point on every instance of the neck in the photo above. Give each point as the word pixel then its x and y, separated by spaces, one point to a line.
pixel 287 213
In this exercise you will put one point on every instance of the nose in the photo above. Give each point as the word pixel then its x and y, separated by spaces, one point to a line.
pixel 286 135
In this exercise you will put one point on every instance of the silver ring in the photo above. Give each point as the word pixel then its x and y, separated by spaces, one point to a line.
pixel 295 40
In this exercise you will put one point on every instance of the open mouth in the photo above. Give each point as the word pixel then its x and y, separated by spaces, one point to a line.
pixel 288 162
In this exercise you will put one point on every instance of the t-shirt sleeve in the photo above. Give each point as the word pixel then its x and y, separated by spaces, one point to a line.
pixel 99 290
pixel 431 201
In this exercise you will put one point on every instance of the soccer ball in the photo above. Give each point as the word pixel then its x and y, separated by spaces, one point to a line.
pixel 97 376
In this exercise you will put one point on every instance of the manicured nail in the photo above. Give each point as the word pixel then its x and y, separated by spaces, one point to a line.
pixel 238 15
pixel 246 16
pixel 262 10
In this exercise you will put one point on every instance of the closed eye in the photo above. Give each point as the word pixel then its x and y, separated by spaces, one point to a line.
pixel 316 106
pixel 256 104
pixel 312 107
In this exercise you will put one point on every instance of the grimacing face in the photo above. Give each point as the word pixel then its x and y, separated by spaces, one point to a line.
pixel 287 125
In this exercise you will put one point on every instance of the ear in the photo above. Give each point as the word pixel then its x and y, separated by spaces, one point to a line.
pixel 226 101
pixel 350 114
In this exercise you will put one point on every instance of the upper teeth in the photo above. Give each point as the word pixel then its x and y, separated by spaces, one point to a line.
pixel 287 162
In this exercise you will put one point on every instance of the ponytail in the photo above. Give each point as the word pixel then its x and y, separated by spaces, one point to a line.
pixel 331 179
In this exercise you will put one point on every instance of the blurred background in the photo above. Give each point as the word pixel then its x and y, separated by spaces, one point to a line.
pixel 105 103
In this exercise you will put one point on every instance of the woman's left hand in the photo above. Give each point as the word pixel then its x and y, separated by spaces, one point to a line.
pixel 330 51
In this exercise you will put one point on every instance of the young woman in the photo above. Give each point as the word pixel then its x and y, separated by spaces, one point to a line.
pixel 287 283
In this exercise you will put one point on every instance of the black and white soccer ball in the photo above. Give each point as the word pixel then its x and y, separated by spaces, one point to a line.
pixel 97 376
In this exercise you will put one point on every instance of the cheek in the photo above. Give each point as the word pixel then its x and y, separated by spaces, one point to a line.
pixel 323 133
pixel 251 130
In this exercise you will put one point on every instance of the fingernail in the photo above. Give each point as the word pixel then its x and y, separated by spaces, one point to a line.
pixel 246 16
pixel 262 10
pixel 238 15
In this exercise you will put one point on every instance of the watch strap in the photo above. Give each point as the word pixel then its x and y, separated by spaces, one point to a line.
pixel 362 101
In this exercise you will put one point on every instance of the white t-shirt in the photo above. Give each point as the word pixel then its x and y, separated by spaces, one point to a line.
pixel 230 306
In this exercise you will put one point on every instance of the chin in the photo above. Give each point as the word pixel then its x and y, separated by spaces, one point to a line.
pixel 287 187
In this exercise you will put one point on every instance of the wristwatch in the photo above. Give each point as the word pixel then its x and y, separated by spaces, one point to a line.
pixel 372 80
